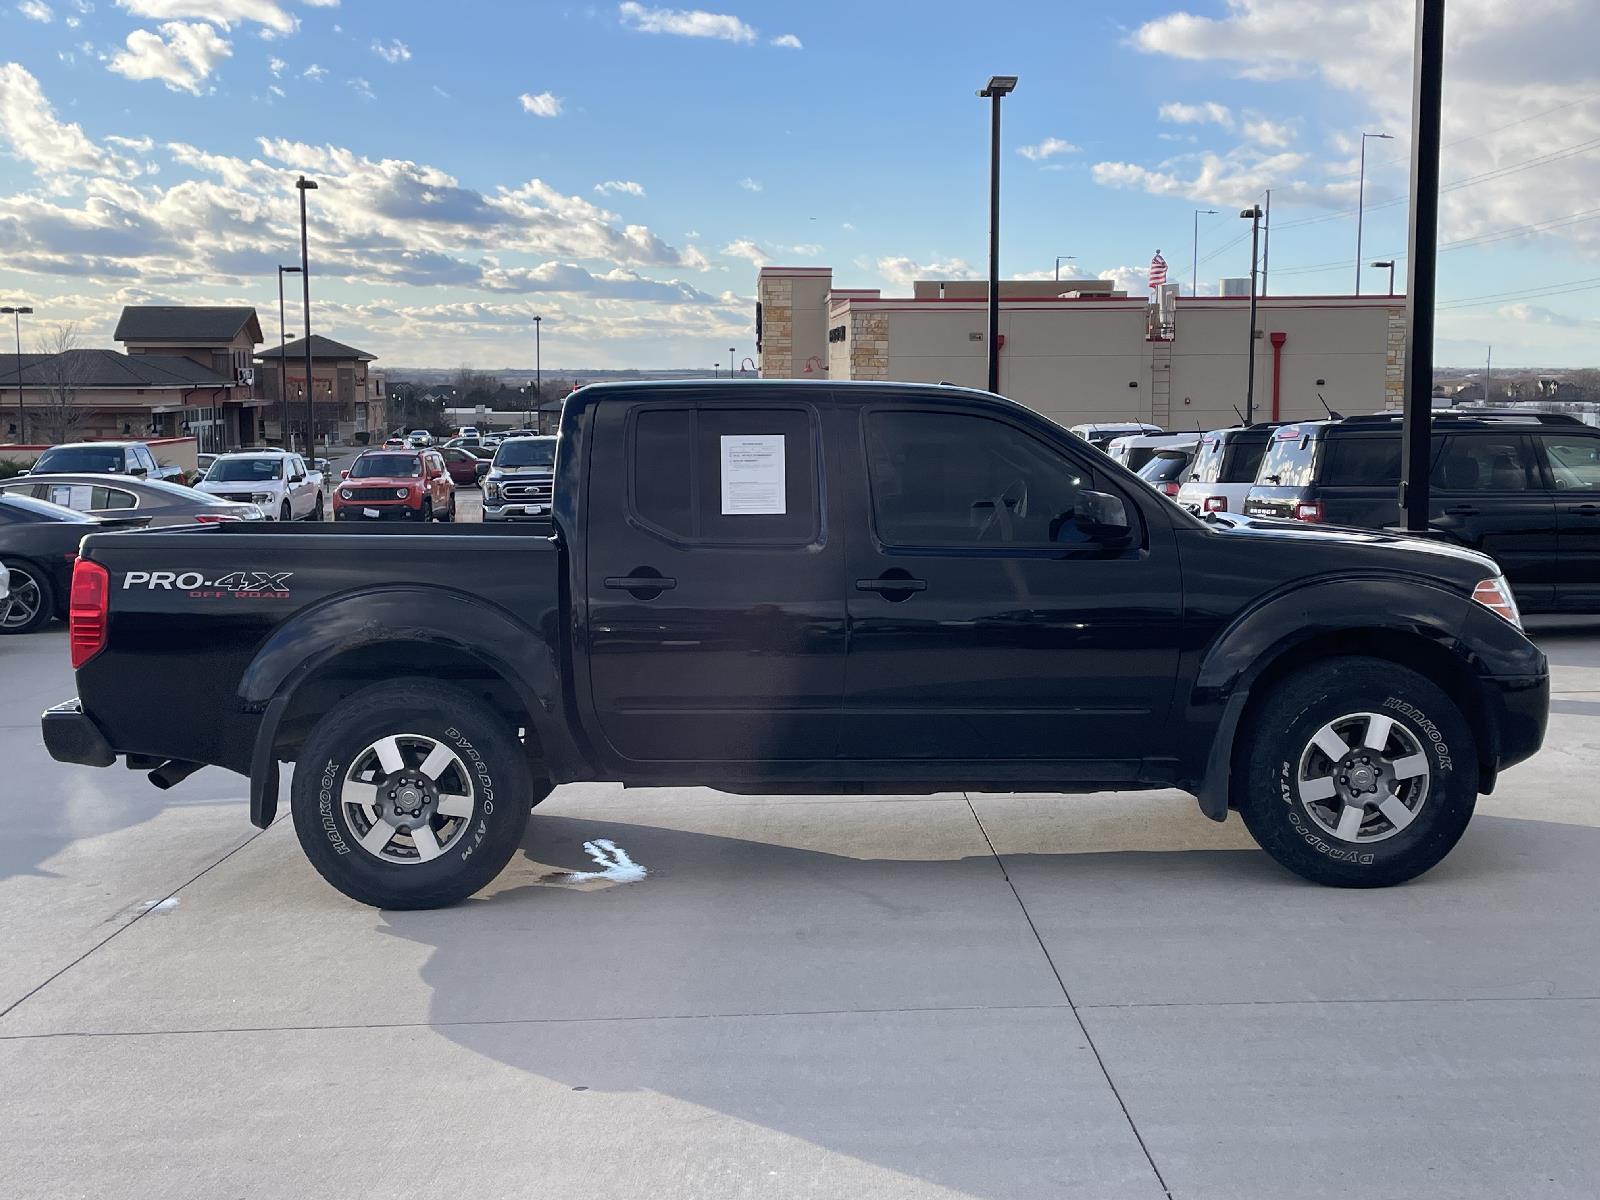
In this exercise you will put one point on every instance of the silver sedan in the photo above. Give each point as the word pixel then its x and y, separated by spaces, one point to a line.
pixel 118 496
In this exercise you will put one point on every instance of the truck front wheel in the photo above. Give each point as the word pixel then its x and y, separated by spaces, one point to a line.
pixel 411 794
pixel 1357 772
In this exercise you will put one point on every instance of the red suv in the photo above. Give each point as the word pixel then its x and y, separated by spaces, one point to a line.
pixel 396 485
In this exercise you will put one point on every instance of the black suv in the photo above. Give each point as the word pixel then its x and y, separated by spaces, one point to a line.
pixel 1523 488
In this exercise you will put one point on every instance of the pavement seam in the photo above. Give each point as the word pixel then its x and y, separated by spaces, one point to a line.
pixel 21 1000
pixel 1076 1015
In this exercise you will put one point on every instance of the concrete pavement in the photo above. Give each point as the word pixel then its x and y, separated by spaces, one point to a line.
pixel 987 996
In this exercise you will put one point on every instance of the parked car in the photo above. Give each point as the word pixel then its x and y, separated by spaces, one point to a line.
pixel 103 458
pixel 520 485
pixel 1224 468
pixel 419 439
pixel 1166 471
pixel 1099 434
pixel 1523 488
pixel 468 442
pixel 466 469
pixel 467 431
pixel 279 483
pixel 1134 450
pixel 968 596
pixel 38 542
pixel 162 502
pixel 202 463
pixel 395 485
pixel 394 443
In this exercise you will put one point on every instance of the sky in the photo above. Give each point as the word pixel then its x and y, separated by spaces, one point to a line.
pixel 623 169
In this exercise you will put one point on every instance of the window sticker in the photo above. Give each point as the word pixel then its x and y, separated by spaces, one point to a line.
pixel 752 475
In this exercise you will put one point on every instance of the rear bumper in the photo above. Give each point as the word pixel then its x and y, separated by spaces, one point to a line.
pixel 71 736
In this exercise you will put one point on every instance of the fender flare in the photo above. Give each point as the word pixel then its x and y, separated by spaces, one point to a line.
pixel 1260 636
pixel 443 617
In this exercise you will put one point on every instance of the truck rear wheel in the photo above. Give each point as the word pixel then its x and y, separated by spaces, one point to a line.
pixel 411 794
pixel 1357 772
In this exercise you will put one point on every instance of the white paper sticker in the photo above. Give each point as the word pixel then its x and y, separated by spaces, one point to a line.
pixel 752 475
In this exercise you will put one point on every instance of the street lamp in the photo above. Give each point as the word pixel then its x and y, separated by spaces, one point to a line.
pixel 716 370
pixel 283 360
pixel 538 365
pixel 1387 262
pixel 732 362
pixel 1194 264
pixel 304 185
pixel 1361 198
pixel 16 320
pixel 1061 258
pixel 998 87
pixel 1253 215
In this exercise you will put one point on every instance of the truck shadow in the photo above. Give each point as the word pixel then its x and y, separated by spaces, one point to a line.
pixel 901 1013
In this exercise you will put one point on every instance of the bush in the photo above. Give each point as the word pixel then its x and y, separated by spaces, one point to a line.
pixel 10 468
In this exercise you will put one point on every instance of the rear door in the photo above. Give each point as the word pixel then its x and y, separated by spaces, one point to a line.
pixel 714 582
pixel 986 623
pixel 1571 466
pixel 1358 481
pixel 1488 495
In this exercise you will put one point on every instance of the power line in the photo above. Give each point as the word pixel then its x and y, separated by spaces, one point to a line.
pixel 1554 289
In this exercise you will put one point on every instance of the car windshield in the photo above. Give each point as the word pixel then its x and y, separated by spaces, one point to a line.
pixel 386 466
pixel 1289 460
pixel 526 452
pixel 26 508
pixel 244 470
pixel 1165 466
pixel 83 460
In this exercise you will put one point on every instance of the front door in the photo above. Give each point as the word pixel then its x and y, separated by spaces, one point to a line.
pixel 1571 462
pixel 986 623
pixel 714 585
pixel 1487 495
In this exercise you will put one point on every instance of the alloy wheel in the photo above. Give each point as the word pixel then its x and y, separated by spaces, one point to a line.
pixel 22 605
pixel 1363 777
pixel 408 798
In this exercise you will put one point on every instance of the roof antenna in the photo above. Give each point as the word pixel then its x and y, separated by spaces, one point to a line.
pixel 1332 415
pixel 1239 414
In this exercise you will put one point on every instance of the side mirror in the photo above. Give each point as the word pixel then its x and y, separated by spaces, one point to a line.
pixel 344 474
pixel 1103 516
pixel 139 471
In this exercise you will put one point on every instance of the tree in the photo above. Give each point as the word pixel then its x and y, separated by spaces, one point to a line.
pixel 55 414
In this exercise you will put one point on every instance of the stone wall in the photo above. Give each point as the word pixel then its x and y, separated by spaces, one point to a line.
pixel 1394 379
pixel 869 345
pixel 777 328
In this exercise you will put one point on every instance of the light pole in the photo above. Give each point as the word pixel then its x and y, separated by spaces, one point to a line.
pixel 999 87
pixel 716 370
pixel 16 321
pixel 1194 262
pixel 1061 258
pixel 1422 261
pixel 1386 262
pixel 283 360
pixel 1361 199
pixel 538 364
pixel 305 185
pixel 733 368
pixel 1253 215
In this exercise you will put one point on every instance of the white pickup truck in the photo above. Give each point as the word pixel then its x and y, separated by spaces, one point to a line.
pixel 279 483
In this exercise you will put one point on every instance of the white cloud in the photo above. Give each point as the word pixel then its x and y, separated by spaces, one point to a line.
pixel 276 66
pixel 1133 280
pixel 1273 134
pixel 1236 178
pixel 29 125
pixel 314 72
pixel 1049 148
pixel 625 187
pixel 788 41
pixel 72 22
pixel 182 56
pixel 362 88
pixel 1209 112
pixel 806 249
pixel 903 271
pixel 745 248
pixel 276 90
pixel 392 51
pixel 545 104
pixel 751 185
pixel 269 14
pixel 36 10
pixel 685 22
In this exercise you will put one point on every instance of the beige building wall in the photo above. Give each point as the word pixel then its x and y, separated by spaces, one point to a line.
pixel 794 308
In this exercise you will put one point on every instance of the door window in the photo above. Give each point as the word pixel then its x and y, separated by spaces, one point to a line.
pixel 1470 463
pixel 1573 462
pixel 954 480
pixel 1362 462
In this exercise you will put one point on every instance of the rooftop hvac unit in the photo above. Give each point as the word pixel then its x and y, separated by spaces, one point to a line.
pixel 1234 287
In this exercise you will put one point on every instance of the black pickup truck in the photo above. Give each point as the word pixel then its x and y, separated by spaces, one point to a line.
pixel 776 587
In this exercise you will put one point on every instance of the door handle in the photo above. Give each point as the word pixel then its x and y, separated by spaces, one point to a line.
pixel 1586 510
pixel 1461 510
pixel 893 585
pixel 643 583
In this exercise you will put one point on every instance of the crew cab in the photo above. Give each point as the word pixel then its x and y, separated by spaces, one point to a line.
pixel 786 586
pixel 520 481
pixel 396 485
pixel 103 458
pixel 278 483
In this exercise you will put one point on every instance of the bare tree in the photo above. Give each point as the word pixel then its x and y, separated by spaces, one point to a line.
pixel 55 412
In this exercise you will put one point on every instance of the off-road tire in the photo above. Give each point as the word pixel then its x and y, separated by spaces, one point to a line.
pixel 1275 753
pixel 504 793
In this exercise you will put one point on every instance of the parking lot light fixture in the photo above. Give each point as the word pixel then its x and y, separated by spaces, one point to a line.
pixel 16 313
pixel 1361 196
pixel 1253 215
pixel 283 361
pixel 1386 262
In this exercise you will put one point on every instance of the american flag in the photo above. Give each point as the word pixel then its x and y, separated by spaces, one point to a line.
pixel 1158 271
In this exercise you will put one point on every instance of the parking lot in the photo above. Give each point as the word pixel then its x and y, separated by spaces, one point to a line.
pixel 689 994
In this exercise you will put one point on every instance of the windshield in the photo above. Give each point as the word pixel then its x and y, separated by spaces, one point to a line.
pixel 1289 460
pixel 244 470
pixel 387 466
pixel 88 460
pixel 1165 466
pixel 526 452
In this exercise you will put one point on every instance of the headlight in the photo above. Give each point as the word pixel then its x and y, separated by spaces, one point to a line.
pixel 347 494
pixel 252 513
pixel 1495 594
pixel 402 493
pixel 491 489
pixel 261 497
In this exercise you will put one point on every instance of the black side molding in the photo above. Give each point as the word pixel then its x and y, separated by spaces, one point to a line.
pixel 71 736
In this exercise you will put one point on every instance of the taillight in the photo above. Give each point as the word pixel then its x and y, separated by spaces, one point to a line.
pixel 1171 488
pixel 1308 510
pixel 213 518
pixel 1216 504
pixel 86 611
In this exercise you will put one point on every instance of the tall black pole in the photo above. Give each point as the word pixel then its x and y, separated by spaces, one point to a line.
pixel 305 185
pixel 1416 431
pixel 538 364
pixel 1254 213
pixel 22 417
pixel 1266 242
pixel 993 340
pixel 283 364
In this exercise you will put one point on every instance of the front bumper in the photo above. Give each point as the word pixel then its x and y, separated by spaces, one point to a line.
pixel 518 510
pixel 71 736
pixel 356 511
pixel 1524 711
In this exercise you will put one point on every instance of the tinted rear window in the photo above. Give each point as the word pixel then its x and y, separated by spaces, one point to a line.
pixel 69 460
pixel 1208 462
pixel 1361 462
pixel 1243 460
pixel 1288 461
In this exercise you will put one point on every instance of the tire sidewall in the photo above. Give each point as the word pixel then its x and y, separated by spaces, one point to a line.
pixel 502 798
pixel 1279 820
